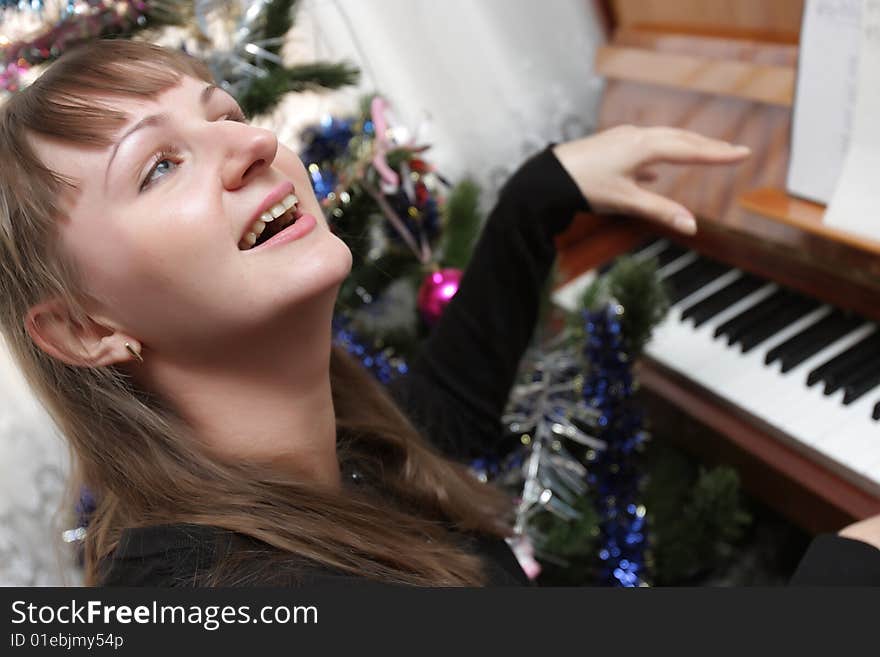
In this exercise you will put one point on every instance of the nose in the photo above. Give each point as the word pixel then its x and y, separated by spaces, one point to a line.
pixel 250 151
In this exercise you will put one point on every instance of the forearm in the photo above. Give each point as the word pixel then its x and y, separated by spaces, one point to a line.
pixel 473 353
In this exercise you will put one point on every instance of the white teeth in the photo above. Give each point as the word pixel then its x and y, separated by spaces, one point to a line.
pixel 288 202
pixel 273 213
pixel 250 238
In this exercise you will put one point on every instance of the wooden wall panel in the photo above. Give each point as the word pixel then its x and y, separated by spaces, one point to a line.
pixel 770 19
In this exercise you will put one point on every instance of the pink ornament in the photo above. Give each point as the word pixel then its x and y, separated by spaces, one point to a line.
pixel 524 552
pixel 378 108
pixel 10 77
pixel 435 293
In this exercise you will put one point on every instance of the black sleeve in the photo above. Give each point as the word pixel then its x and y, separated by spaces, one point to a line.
pixel 456 389
pixel 833 560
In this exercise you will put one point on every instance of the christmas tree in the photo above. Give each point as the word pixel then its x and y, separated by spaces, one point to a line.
pixel 240 41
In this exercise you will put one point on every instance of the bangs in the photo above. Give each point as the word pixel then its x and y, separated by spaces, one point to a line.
pixel 72 100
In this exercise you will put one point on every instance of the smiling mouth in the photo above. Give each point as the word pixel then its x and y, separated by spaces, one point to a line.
pixel 271 222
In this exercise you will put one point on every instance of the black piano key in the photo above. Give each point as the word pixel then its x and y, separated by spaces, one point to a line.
pixel 705 309
pixel 876 414
pixel 670 253
pixel 646 244
pixel 687 272
pixel 637 252
pixel 734 327
pixel 652 244
pixel 813 339
pixel 760 313
pixel 860 363
pixel 713 271
pixel 816 336
pixel 776 322
pixel 862 384
pixel 869 362
pixel 844 360
pixel 691 278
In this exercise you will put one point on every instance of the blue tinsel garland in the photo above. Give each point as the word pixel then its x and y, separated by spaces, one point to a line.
pixel 615 475
pixel 384 364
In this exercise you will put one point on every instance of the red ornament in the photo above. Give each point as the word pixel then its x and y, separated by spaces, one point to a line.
pixel 422 194
pixel 436 291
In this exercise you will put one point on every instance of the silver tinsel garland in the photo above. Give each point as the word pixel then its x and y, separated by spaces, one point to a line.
pixel 547 411
pixel 237 55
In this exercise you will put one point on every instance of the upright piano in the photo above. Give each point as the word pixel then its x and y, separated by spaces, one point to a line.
pixel 773 338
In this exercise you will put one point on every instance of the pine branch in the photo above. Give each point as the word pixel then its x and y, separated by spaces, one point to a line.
pixel 635 286
pixel 698 522
pixel 279 17
pixel 264 93
pixel 462 223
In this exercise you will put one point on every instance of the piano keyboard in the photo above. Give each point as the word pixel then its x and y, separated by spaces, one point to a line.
pixel 805 368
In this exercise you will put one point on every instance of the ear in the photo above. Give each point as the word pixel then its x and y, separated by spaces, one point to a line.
pixel 53 330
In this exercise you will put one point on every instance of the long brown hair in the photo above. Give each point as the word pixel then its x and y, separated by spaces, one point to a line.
pixel 137 454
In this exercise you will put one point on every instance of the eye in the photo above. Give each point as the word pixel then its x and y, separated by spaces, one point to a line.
pixel 165 156
pixel 234 115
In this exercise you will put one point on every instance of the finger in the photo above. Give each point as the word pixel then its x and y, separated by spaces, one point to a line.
pixel 699 139
pixel 654 207
pixel 672 133
pixel 645 176
pixel 683 147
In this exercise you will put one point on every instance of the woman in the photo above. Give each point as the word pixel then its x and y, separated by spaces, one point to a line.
pixel 188 360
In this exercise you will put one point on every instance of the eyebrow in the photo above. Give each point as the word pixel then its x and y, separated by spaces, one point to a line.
pixel 152 121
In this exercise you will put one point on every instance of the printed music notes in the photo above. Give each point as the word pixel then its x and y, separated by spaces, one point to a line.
pixel 826 90
pixel 855 203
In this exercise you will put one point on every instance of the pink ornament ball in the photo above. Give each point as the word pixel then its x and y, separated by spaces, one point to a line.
pixel 436 291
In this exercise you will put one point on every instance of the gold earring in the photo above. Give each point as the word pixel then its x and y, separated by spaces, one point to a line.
pixel 133 352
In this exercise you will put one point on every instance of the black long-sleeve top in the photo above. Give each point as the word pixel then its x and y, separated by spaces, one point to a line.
pixel 457 388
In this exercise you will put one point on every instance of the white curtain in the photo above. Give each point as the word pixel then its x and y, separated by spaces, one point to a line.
pixel 485 82
pixel 34 468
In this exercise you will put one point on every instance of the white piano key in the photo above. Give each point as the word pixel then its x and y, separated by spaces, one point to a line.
pixel 568 297
pixel 695 352
pixel 735 309
pixel 680 262
pixel 756 379
pixel 652 250
pixel 803 395
pixel 710 288
pixel 854 441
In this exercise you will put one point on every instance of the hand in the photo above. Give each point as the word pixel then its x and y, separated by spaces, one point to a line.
pixel 608 165
pixel 867 531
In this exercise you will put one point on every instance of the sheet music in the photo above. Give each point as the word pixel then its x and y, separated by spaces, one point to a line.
pixel 855 204
pixel 825 96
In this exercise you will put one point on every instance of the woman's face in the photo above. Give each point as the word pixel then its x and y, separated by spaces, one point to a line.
pixel 159 220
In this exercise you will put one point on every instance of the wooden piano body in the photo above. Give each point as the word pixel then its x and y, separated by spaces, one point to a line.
pixel 727 69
